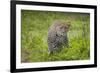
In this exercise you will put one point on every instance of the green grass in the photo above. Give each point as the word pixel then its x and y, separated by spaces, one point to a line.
pixel 34 29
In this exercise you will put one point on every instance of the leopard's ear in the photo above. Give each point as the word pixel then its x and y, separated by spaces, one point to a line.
pixel 56 22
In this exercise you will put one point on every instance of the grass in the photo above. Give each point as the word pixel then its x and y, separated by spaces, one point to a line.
pixel 34 29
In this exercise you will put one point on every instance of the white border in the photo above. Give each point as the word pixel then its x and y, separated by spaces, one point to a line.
pixel 58 63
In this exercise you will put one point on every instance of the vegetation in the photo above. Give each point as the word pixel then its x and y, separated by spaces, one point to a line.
pixel 34 29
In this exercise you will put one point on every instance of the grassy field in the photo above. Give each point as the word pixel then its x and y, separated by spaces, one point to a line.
pixel 34 29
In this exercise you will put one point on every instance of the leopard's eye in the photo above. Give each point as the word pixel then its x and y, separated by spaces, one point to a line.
pixel 61 27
